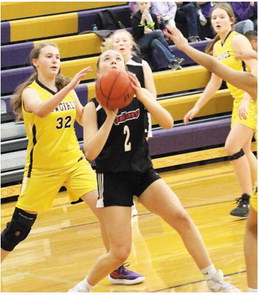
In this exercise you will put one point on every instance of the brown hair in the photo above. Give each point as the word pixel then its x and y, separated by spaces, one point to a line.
pixel 16 101
pixel 230 12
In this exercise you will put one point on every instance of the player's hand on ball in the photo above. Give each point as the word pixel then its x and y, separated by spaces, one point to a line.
pixel 134 82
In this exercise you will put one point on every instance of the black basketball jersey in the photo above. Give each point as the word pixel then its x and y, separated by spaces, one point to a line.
pixel 135 66
pixel 126 148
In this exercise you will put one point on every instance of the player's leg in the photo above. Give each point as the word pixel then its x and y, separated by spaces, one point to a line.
pixel 252 161
pixel 37 194
pixel 121 275
pixel 16 230
pixel 160 199
pixel 118 227
pixel 83 183
pixel 250 246
pixel 238 137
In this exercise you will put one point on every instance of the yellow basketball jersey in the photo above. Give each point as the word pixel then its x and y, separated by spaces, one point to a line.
pixel 52 142
pixel 226 54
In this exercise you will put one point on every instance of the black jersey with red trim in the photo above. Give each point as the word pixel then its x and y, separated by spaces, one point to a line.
pixel 126 148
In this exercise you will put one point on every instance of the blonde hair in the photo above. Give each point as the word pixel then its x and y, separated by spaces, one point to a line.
pixel 227 7
pixel 16 101
pixel 109 42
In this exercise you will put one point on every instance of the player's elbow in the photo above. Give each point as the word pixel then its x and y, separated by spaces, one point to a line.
pixel 168 124
pixel 41 114
pixel 90 156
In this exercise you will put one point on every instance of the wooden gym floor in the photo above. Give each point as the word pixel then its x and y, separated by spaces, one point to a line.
pixel 65 241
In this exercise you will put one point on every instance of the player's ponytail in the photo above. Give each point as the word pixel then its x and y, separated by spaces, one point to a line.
pixel 209 47
pixel 16 100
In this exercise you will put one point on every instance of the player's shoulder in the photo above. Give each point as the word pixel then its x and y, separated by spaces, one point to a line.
pixel 135 61
pixel 29 90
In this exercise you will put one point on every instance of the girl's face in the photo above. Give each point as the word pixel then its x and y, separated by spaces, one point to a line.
pixel 122 43
pixel 143 6
pixel 48 62
pixel 221 21
pixel 110 59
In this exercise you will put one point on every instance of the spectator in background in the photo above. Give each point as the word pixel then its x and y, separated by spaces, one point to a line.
pixel 165 11
pixel 187 16
pixel 133 8
pixel 206 30
pixel 148 35
pixel 246 16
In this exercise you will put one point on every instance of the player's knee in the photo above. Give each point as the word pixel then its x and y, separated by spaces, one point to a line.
pixel 235 156
pixel 122 254
pixel 183 221
pixel 17 229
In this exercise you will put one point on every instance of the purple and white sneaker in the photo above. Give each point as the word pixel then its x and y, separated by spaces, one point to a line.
pixel 124 276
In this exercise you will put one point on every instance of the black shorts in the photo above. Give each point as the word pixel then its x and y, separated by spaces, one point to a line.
pixel 118 189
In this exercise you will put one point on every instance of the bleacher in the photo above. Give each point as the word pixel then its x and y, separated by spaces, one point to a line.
pixel 27 23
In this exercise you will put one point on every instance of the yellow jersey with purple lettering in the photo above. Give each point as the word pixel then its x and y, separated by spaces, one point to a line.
pixel 52 142
pixel 225 54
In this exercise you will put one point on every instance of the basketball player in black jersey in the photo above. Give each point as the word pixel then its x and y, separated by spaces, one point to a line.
pixel 122 41
pixel 116 140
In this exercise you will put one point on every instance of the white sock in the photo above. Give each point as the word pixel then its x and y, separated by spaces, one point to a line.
pixel 208 272
pixel 88 286
pixel 252 290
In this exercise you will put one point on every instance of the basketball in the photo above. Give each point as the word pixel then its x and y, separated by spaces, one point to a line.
pixel 113 89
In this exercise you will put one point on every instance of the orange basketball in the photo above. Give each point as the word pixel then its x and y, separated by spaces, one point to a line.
pixel 113 89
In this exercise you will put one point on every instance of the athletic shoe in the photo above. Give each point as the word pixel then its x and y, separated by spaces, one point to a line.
pixel 81 287
pixel 243 206
pixel 179 60
pixel 124 276
pixel 174 65
pixel 194 39
pixel 217 284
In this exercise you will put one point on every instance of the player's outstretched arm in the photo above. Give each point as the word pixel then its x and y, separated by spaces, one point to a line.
pixel 242 80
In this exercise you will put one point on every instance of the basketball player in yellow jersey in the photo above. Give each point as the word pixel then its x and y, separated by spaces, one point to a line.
pixel 238 143
pixel 49 106
pixel 50 136
pixel 243 80
pixel 247 82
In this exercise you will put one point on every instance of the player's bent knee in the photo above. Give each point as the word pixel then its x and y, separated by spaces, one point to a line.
pixel 17 229
pixel 236 155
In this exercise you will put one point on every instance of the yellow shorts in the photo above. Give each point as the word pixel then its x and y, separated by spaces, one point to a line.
pixel 253 200
pixel 251 116
pixel 39 191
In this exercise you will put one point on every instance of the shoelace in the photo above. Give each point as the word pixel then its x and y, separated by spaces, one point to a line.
pixel 240 201
pixel 122 269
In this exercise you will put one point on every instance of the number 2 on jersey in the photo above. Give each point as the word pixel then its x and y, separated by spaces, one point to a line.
pixel 127 143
